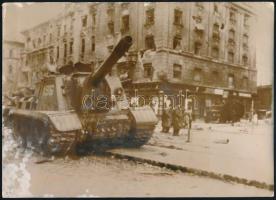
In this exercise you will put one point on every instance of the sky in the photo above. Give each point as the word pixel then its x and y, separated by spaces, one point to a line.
pixel 20 16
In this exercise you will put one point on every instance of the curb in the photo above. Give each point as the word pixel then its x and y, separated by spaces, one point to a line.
pixel 223 177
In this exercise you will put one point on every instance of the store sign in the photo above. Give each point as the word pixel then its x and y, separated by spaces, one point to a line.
pixel 244 95
pixel 218 91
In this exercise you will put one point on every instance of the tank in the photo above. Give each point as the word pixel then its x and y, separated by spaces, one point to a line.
pixel 72 109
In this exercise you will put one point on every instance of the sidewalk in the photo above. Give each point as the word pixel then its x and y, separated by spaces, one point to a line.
pixel 247 157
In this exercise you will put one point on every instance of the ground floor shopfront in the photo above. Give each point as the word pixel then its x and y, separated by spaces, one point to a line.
pixel 160 95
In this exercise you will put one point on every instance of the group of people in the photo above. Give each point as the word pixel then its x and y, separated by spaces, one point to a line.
pixel 177 118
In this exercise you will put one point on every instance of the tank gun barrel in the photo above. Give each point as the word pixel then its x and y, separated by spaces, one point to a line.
pixel 120 49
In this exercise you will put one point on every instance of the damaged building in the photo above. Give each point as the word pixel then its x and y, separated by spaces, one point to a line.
pixel 203 50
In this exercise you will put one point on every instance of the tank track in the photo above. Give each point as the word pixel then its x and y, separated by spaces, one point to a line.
pixel 41 136
pixel 138 137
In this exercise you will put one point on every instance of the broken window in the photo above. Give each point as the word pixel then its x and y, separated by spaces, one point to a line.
pixel 150 16
pixel 148 70
pixel 197 75
pixel 84 21
pixel 177 17
pixel 149 42
pixel 93 43
pixel 231 81
pixel 231 56
pixel 177 69
pixel 177 42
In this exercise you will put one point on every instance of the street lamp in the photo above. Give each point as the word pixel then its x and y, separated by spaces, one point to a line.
pixel 186 99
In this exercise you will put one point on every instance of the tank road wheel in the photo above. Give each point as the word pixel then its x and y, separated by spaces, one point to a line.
pixel 138 138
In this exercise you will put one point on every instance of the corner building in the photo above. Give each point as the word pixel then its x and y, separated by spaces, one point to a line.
pixel 203 50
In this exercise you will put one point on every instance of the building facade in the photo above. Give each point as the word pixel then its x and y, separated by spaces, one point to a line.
pixel 11 65
pixel 264 98
pixel 203 50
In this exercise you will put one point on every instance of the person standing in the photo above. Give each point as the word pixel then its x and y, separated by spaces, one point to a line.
pixel 177 120
pixel 166 120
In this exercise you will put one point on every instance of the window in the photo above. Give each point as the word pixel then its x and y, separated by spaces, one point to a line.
pixel 93 43
pixel 11 53
pixel 216 28
pixel 177 17
pixel 10 69
pixel 177 42
pixel 177 69
pixel 44 38
pixel 82 47
pixel 231 56
pixel 71 47
pixel 65 50
pixel 64 28
pixel 149 42
pixel 58 30
pixel 125 23
pixel 84 21
pixel 231 34
pixel 94 18
pixel 244 82
pixel 197 48
pixel 215 8
pixel 244 59
pixel 231 81
pixel 57 52
pixel 111 27
pixel 232 16
pixel 215 52
pixel 150 16
pixel 51 37
pixel 215 76
pixel 246 20
pixel 197 75
pixel 245 39
pixel 148 70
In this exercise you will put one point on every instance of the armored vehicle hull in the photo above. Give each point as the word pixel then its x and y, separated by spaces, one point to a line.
pixel 61 116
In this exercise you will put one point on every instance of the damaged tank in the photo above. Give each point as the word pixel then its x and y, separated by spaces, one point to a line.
pixel 72 109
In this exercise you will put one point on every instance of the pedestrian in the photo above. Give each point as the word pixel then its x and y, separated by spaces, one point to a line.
pixel 255 118
pixel 188 118
pixel 166 120
pixel 177 120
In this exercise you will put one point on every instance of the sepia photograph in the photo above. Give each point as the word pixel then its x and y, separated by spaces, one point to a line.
pixel 137 99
